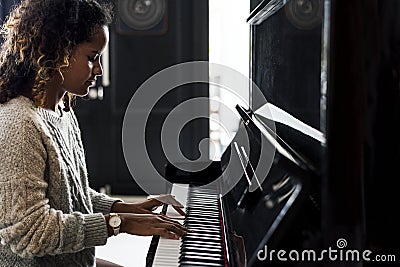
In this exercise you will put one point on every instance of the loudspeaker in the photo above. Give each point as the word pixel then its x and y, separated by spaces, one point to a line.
pixel 142 17
pixel 305 15
pixel 137 54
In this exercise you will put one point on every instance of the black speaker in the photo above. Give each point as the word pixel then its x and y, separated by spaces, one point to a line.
pixel 305 15
pixel 137 53
pixel 142 17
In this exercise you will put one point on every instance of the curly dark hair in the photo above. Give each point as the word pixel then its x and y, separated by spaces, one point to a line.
pixel 39 36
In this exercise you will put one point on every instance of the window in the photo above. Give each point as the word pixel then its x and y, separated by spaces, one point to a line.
pixel 228 46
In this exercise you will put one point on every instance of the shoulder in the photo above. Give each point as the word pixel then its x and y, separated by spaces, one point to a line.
pixel 17 111
pixel 17 106
pixel 18 116
pixel 21 138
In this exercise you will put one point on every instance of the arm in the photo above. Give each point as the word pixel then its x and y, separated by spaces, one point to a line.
pixel 137 218
pixel 29 226
pixel 101 202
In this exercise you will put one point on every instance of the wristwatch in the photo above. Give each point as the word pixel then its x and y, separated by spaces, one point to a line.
pixel 114 222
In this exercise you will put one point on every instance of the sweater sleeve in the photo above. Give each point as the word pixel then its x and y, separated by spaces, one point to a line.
pixel 101 202
pixel 28 225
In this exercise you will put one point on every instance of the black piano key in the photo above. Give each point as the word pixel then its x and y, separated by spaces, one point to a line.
pixel 200 248
pixel 193 216
pixel 202 239
pixel 201 258
pixel 199 220
pixel 206 231
pixel 202 234
pixel 196 264
pixel 214 213
pixel 200 244
pixel 208 254
pixel 191 209
pixel 196 247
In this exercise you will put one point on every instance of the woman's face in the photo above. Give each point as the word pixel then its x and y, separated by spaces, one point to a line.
pixel 84 64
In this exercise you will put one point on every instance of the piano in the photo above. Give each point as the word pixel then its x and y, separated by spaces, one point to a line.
pixel 264 194
pixel 234 224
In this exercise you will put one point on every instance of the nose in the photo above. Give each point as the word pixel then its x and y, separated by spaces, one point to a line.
pixel 97 68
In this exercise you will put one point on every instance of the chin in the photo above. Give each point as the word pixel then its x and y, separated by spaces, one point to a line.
pixel 82 93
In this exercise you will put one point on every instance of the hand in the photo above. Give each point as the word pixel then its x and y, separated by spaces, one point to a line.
pixel 170 200
pixel 151 224
pixel 147 206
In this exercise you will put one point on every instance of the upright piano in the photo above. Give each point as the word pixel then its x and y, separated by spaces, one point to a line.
pixel 238 227
pixel 264 194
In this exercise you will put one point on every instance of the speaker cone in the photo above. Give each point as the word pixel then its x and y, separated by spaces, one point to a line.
pixel 141 14
pixel 304 14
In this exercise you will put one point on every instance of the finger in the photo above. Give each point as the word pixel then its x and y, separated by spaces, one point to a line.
pixel 165 233
pixel 151 204
pixel 179 226
pixel 167 199
pixel 179 210
pixel 145 211
pixel 155 206
pixel 168 219
pixel 176 229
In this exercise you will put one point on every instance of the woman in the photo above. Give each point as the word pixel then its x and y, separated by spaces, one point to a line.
pixel 49 216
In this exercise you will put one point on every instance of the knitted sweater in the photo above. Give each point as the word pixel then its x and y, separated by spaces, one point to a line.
pixel 49 216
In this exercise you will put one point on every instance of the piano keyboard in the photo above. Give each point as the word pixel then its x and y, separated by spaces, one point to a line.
pixel 203 246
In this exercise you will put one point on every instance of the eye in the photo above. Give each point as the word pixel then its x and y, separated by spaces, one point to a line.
pixel 93 59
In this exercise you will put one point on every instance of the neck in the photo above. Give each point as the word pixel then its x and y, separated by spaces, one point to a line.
pixel 54 94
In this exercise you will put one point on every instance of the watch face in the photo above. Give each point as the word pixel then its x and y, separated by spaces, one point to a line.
pixel 114 221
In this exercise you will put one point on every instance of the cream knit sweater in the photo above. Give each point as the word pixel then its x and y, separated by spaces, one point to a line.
pixel 48 214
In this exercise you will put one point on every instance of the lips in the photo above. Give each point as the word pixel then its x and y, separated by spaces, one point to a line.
pixel 91 82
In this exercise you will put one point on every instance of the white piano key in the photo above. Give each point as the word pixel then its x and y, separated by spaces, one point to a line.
pixel 168 250
pixel 167 254
pixel 202 247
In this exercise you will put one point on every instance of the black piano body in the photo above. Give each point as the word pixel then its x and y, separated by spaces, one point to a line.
pixel 274 204
pixel 279 212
